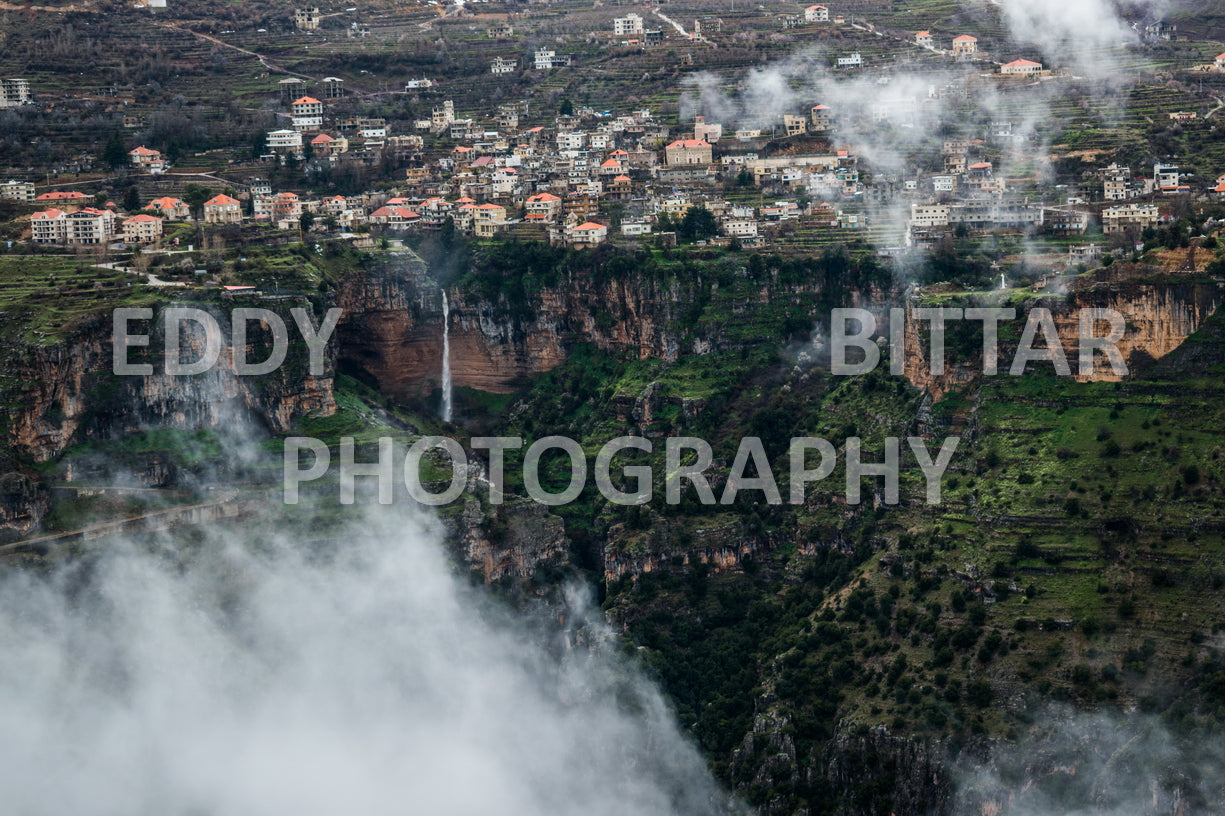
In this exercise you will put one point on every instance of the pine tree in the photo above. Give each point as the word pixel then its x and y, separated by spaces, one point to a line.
pixel 114 153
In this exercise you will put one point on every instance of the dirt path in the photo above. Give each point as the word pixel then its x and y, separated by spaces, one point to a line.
pixel 227 506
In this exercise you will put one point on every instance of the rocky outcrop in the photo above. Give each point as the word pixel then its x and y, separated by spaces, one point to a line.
pixel 391 333
pixel 1160 315
pixel 869 768
pixel 67 393
pixel 23 503
pixel 665 544
pixel 519 537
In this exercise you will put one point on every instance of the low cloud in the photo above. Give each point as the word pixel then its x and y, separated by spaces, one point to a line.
pixel 364 680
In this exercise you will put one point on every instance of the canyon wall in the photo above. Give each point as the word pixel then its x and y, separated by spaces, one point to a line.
pixel 66 393
pixel 391 333
pixel 1159 317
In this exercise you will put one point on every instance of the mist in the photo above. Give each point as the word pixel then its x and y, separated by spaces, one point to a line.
pixel 360 677
pixel 1083 763
pixel 1084 34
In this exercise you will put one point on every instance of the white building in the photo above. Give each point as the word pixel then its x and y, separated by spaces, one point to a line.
pixel 17 190
pixel 222 209
pixel 49 227
pixel 502 66
pixel 1117 185
pixel 1021 67
pixel 740 228
pixel 285 141
pixel 571 141
pixel 546 58
pixel 1165 176
pixel 816 14
pixel 1133 216
pixel 587 234
pixel 965 45
pixel 14 92
pixel 307 114
pixel 929 215
pixel 89 226
pixel 628 26
pixel 142 229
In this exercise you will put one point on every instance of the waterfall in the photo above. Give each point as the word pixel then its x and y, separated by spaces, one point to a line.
pixel 446 359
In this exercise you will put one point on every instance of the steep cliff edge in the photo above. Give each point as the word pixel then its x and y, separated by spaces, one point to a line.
pixel 67 393
pixel 391 332
pixel 1159 314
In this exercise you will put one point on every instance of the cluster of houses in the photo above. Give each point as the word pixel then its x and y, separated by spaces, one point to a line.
pixel 588 173
pixel 987 204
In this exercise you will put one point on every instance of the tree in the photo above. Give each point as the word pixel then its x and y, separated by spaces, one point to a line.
pixel 114 153
pixel 194 197
pixel 699 223
pixel 131 198
pixel 567 107
pixel 306 221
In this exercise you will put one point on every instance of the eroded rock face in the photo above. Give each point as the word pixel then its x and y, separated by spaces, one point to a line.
pixel 67 392
pixel 521 537
pixel 391 333
pixel 1159 318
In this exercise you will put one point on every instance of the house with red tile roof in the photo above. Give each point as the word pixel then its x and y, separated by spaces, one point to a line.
pixel 66 200
pixel 222 209
pixel 49 227
pixel 142 229
pixel 147 159
pixel 965 44
pixel 587 234
pixel 543 207
pixel 307 114
pixel 1021 67
pixel 688 151
pixel 816 14
pixel 170 207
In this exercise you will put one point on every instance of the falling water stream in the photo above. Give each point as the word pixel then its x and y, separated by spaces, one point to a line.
pixel 446 359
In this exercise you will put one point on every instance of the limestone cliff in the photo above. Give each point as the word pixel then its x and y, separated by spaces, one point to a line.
pixel 67 393
pixel 520 537
pixel 1159 315
pixel 391 332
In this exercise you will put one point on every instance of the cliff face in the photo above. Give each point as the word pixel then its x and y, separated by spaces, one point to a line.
pixel 522 536
pixel 68 393
pixel 391 332
pixel 1159 317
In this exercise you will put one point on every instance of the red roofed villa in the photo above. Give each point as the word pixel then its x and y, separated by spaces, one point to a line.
pixel 1021 67
pixel 965 44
